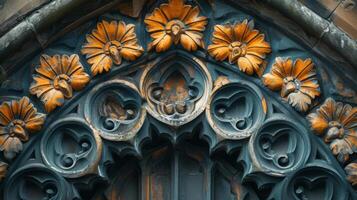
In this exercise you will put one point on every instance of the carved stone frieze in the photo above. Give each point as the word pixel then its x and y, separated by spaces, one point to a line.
pixel 176 121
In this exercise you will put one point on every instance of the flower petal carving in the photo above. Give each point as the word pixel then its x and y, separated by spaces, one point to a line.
pixel 240 43
pixel 56 78
pixel 17 119
pixel 337 124
pixel 297 82
pixel 176 23
pixel 109 43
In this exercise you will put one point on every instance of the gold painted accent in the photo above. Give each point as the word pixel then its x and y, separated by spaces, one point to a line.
pixel 297 82
pixel 109 43
pixel 241 44
pixel 3 170
pixel 17 119
pixel 336 123
pixel 56 78
pixel 176 23
pixel 264 105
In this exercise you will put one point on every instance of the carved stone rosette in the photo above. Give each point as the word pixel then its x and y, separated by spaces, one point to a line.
pixel 176 23
pixel 115 110
pixel 176 90
pixel 80 154
pixel 109 43
pixel 236 109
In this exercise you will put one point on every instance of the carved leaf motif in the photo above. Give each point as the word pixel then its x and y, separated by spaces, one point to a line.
pixel 296 81
pixel 337 123
pixel 176 23
pixel 56 78
pixel 109 43
pixel 241 44
pixel 17 119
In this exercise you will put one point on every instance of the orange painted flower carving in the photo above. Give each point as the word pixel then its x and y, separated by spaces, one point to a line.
pixel 56 79
pixel 109 43
pixel 17 120
pixel 337 124
pixel 176 23
pixel 297 82
pixel 241 44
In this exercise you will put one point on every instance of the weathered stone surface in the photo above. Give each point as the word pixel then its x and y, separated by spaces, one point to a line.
pixel 324 8
pixel 14 11
pixel 345 17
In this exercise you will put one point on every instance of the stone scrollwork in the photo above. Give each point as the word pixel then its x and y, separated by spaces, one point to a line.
pixel 241 44
pixel 56 78
pixel 18 118
pixel 337 124
pixel 35 181
pixel 176 23
pixel 177 121
pixel 115 109
pixel 176 90
pixel 297 82
pixel 279 146
pixel 236 109
pixel 312 182
pixel 109 43
pixel 71 147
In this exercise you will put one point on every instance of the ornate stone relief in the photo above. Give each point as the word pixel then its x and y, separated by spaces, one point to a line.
pixel 209 125
pixel 242 45
pixel 115 110
pixel 236 109
pixel 17 120
pixel 38 182
pixel 56 78
pixel 308 182
pixel 80 154
pixel 296 81
pixel 176 89
pixel 109 43
pixel 176 23
pixel 337 124
pixel 280 146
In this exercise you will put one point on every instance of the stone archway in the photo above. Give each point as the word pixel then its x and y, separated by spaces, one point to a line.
pixel 188 100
